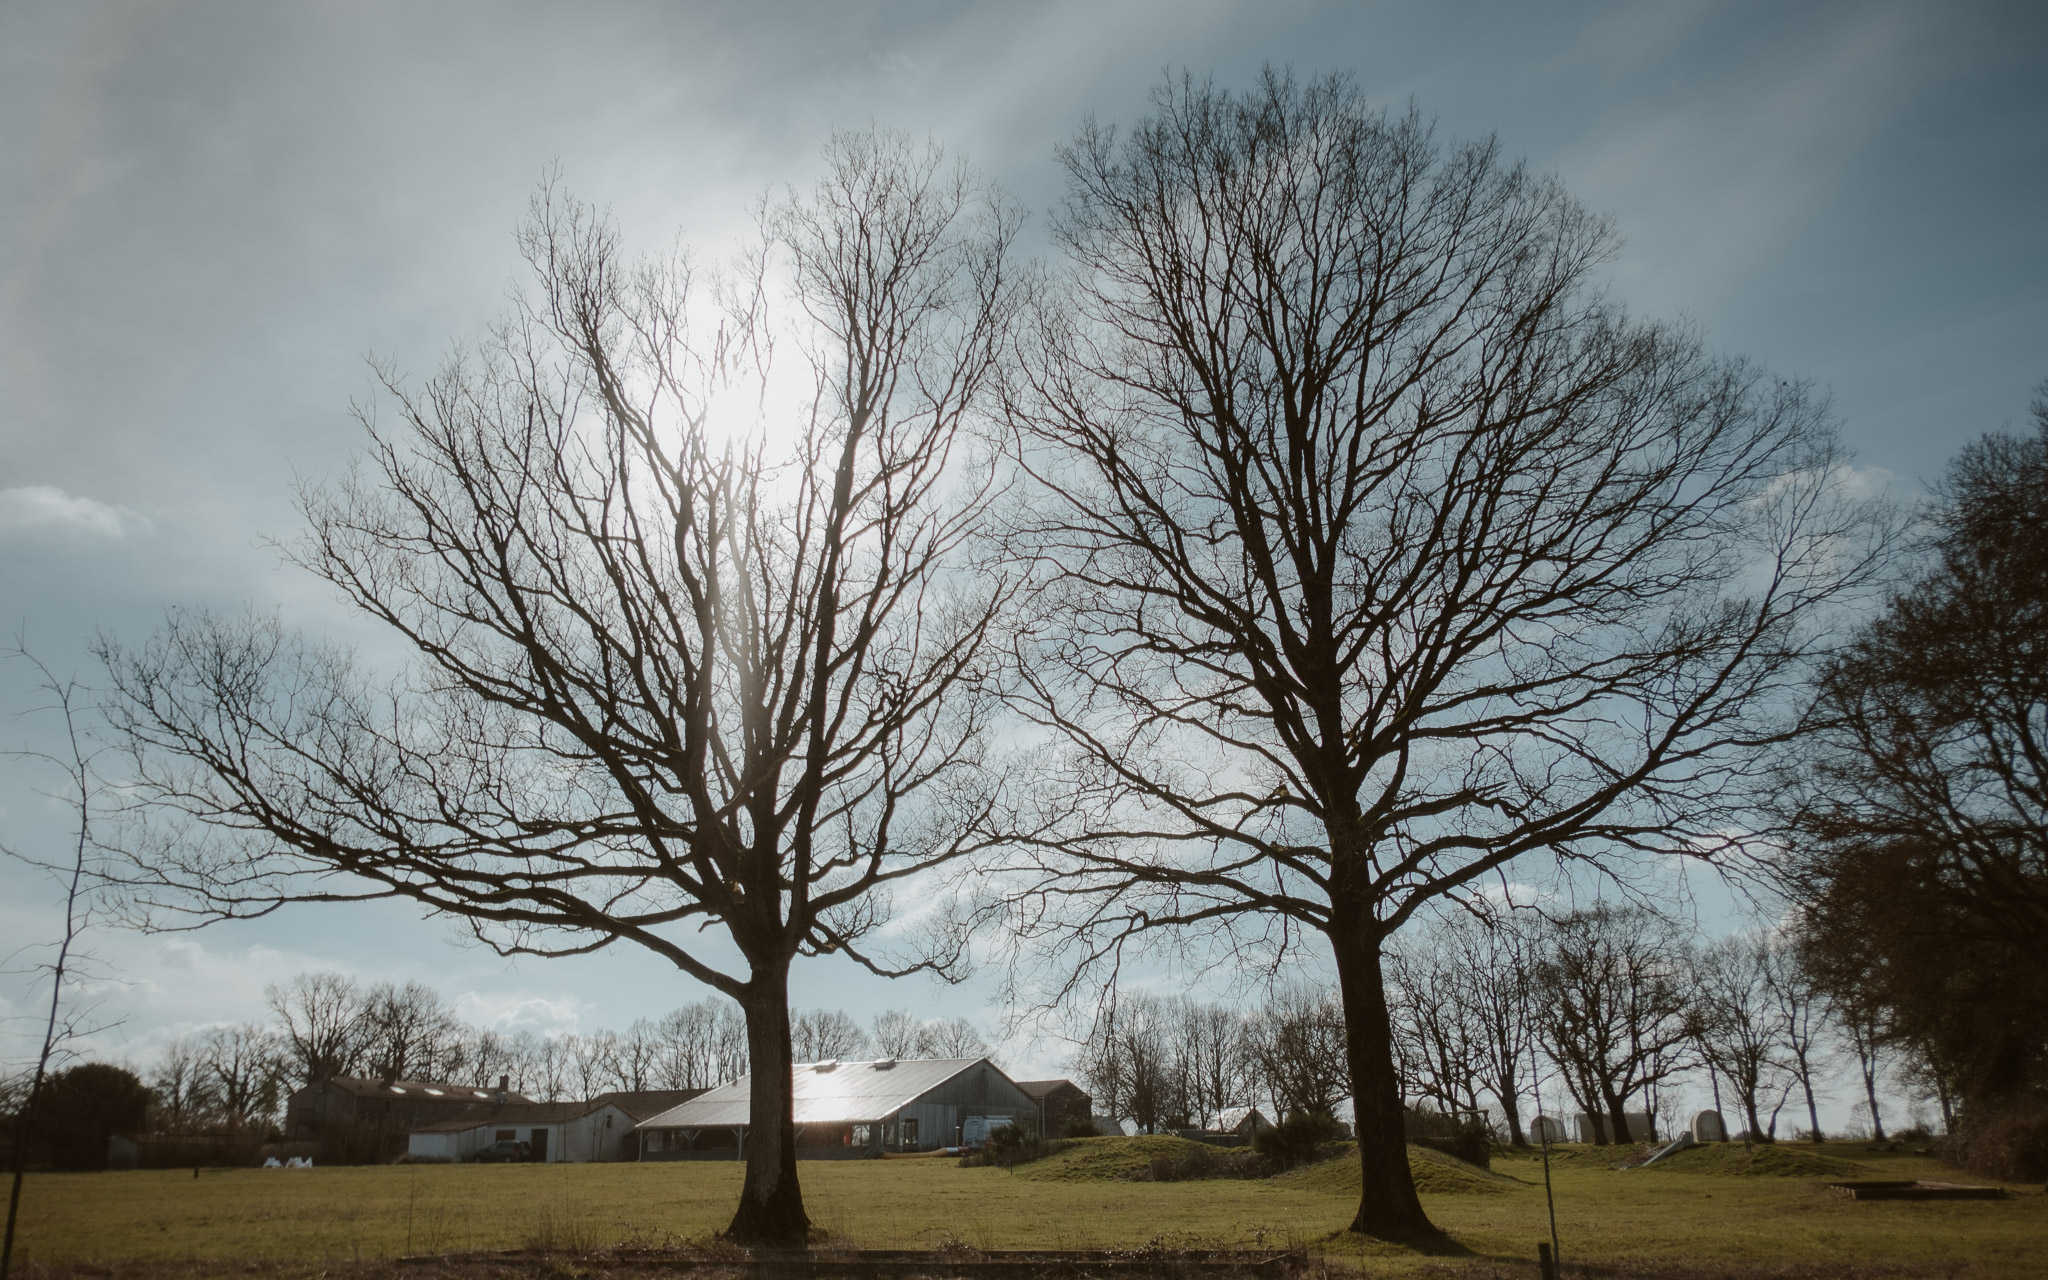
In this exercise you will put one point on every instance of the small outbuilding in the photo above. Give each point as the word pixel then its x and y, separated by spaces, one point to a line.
pixel 847 1110
pixel 1059 1101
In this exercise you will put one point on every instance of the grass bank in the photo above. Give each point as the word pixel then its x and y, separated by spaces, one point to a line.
pixel 1715 1216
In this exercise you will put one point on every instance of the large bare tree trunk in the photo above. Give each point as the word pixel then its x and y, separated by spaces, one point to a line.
pixel 1387 1204
pixel 771 1201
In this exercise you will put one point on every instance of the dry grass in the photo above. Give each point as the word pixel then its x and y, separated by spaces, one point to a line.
pixel 1671 1223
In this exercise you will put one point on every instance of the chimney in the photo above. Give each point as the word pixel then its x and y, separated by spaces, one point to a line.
pixel 504 1087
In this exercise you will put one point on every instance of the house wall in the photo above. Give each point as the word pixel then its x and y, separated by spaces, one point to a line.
pixel 432 1146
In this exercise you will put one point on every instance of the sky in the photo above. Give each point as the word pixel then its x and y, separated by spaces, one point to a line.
pixel 212 214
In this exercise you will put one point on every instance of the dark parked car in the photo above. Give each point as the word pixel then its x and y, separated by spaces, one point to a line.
pixel 505 1153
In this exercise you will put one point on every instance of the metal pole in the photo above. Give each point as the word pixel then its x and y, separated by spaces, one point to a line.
pixel 1549 1199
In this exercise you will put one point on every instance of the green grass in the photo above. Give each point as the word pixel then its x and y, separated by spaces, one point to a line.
pixel 1435 1174
pixel 1697 1219
pixel 1766 1160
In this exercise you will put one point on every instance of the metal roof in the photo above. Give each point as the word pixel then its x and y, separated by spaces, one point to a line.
pixel 826 1093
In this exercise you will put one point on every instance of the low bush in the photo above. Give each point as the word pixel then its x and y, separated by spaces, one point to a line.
pixel 2005 1140
pixel 1010 1146
pixel 1296 1140
pixel 1079 1127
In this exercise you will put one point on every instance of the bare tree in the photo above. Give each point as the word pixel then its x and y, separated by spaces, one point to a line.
pixel 1435 1037
pixel 701 1045
pixel 1127 1061
pixel 322 1017
pixel 1298 1042
pixel 77 873
pixel 638 1055
pixel 1212 1059
pixel 665 680
pixel 1740 1025
pixel 898 1033
pixel 244 1067
pixel 1804 1018
pixel 1494 962
pixel 1378 549
pixel 1617 1010
pixel 406 1029
pixel 952 1038
pixel 826 1035
pixel 180 1087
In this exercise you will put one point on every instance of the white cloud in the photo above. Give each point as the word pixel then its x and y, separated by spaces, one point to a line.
pixel 43 506
pixel 519 1011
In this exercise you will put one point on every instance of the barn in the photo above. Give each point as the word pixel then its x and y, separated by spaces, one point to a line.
pixel 847 1110
pixel 1060 1103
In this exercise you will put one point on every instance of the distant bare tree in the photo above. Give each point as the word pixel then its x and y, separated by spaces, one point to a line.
pixel 322 1017
pixel 826 1035
pixel 406 1029
pixel 1297 1044
pixel 1436 1038
pixel 952 1038
pixel 1740 1026
pixel 636 1061
pixel 1378 548
pixel 701 1045
pixel 1126 1063
pixel 897 1033
pixel 244 1066
pixel 1805 1019
pixel 681 572
pixel 1213 1059
pixel 1618 1012
pixel 180 1087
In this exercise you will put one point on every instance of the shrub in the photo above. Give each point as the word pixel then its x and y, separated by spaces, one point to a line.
pixel 2007 1140
pixel 1079 1127
pixel 1296 1140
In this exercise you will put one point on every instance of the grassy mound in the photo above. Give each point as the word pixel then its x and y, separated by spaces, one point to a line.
pixel 1435 1174
pixel 1764 1160
pixel 1107 1159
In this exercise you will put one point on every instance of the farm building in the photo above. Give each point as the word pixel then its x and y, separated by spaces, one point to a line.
pixel 1059 1101
pixel 1238 1122
pixel 852 1109
pixel 363 1119
pixel 601 1129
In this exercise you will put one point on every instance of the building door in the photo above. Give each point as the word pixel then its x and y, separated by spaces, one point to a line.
pixel 908 1127
pixel 539 1143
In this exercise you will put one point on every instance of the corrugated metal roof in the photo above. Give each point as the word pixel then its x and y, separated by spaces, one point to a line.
pixel 826 1093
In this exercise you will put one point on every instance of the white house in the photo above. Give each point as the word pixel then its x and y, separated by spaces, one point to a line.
pixel 601 1129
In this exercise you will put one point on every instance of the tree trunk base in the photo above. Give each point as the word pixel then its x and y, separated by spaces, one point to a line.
pixel 779 1221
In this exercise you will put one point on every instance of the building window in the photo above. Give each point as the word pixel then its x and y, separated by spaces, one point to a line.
pixel 863 1135
pixel 908 1128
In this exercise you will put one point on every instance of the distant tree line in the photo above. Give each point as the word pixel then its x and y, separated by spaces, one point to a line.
pixel 1609 1008
pixel 235 1078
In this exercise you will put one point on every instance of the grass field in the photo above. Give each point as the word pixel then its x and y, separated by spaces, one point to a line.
pixel 1723 1209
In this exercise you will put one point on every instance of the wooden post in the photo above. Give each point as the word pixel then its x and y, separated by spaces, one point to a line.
pixel 1545 1264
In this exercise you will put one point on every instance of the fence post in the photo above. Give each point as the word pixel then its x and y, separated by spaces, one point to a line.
pixel 1545 1264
